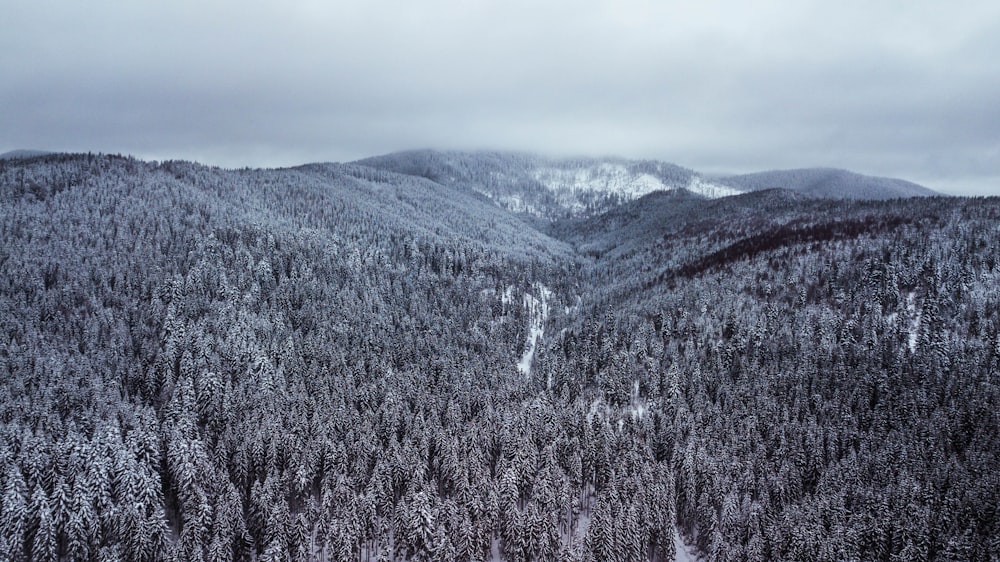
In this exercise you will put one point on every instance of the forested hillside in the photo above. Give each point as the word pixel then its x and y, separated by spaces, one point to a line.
pixel 822 376
pixel 361 362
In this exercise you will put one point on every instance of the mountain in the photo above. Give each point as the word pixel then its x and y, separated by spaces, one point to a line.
pixel 549 188
pixel 829 183
pixel 375 360
pixel 22 153
pixel 584 187
pixel 784 326
pixel 662 213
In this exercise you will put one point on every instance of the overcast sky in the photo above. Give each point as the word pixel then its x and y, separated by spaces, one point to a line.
pixel 900 88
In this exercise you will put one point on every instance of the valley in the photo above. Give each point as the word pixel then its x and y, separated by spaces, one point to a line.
pixel 478 356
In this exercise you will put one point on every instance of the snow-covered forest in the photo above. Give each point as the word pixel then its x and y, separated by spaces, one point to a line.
pixel 381 361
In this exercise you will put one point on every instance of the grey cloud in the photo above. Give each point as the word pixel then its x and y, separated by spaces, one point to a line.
pixel 895 88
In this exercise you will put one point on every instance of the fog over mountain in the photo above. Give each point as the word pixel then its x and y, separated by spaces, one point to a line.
pixel 548 187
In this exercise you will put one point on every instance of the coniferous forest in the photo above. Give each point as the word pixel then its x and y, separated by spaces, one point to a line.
pixel 356 362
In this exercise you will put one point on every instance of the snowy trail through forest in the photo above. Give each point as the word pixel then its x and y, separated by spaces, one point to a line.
pixel 538 312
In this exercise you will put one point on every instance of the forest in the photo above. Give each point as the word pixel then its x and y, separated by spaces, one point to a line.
pixel 378 361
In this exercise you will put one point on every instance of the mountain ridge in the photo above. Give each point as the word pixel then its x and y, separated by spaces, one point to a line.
pixel 23 153
pixel 556 188
pixel 548 187
pixel 834 183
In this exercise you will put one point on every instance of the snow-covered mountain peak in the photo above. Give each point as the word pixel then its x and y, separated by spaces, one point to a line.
pixel 605 177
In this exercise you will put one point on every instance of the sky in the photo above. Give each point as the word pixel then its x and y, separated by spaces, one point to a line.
pixel 906 89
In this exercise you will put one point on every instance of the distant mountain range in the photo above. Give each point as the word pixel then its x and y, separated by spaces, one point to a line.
pixel 828 183
pixel 556 188
pixel 578 187
pixel 22 153
pixel 550 188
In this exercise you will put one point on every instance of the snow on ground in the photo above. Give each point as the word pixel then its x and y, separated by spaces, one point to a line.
pixel 914 328
pixel 614 178
pixel 913 320
pixel 708 189
pixel 516 203
pixel 617 178
pixel 508 295
pixel 637 406
pixel 685 553
pixel 538 312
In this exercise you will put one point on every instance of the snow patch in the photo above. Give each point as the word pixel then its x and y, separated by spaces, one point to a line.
pixel 708 189
pixel 637 407
pixel 538 312
pixel 614 178
pixel 515 203
pixel 914 327
pixel 685 553
pixel 593 410
pixel 637 410
pixel 508 295
pixel 617 178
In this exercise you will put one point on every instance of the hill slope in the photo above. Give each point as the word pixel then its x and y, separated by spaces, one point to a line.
pixel 829 183
pixel 771 327
pixel 182 345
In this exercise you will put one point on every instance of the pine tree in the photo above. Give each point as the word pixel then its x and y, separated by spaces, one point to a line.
pixel 14 515
pixel 44 546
